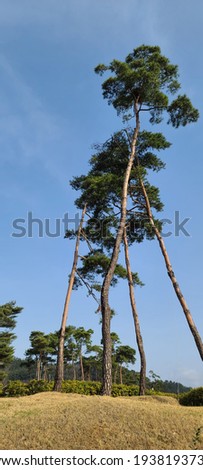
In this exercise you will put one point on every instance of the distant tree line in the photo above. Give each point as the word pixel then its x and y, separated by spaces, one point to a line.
pixel 19 370
pixel 82 361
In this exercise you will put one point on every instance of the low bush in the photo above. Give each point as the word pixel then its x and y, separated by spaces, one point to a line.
pixel 124 390
pixel 83 388
pixel 15 388
pixel 158 393
pixel 37 386
pixel 192 398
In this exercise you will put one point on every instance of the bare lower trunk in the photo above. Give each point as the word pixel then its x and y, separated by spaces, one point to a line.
pixel 115 375
pixel 172 277
pixel 142 385
pixel 74 371
pixel 60 357
pixel 89 374
pixel 107 351
pixel 121 375
pixel 45 373
pixel 38 369
pixel 105 308
pixel 82 368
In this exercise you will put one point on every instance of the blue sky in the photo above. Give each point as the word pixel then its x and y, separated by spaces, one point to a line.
pixel 51 113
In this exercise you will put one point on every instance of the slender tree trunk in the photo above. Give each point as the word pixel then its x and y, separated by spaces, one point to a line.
pixel 105 308
pixel 115 374
pixel 142 384
pixel 82 368
pixel 89 374
pixel 172 277
pixel 121 375
pixel 60 356
pixel 74 371
pixel 38 369
pixel 45 372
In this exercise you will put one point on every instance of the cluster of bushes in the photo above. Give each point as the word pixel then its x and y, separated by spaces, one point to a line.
pixel 83 388
pixel 17 388
pixel 192 398
pixel 159 393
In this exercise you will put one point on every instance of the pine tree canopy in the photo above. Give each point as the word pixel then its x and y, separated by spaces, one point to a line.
pixel 8 313
pixel 146 78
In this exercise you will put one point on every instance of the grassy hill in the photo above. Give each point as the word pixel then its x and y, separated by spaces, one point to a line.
pixel 68 421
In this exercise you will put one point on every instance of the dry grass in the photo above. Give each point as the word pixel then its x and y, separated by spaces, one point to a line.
pixel 68 421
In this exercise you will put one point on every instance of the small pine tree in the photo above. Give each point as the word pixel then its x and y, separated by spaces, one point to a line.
pixel 8 313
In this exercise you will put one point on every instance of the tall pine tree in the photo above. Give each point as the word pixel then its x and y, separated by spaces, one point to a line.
pixel 144 82
pixel 101 188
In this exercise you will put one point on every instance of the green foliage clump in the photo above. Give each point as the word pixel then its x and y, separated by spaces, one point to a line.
pixel 119 390
pixel 192 398
pixel 37 386
pixel 160 393
pixel 15 388
pixel 83 388
pixel 8 313
pixel 94 388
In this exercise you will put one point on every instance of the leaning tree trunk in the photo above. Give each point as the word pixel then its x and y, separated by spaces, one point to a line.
pixel 105 308
pixel 60 356
pixel 172 277
pixel 142 385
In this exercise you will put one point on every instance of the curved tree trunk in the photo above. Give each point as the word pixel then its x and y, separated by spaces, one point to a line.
pixel 139 339
pixel 60 357
pixel 172 277
pixel 105 308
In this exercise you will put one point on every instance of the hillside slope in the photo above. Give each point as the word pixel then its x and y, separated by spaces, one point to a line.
pixel 68 421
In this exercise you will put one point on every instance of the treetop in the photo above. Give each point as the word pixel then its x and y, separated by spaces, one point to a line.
pixel 145 81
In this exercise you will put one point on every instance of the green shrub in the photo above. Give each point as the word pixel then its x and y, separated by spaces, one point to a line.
pixel 94 388
pixel 15 388
pixel 158 393
pixel 37 386
pixel 83 388
pixel 192 398
pixel 18 388
pixel 124 390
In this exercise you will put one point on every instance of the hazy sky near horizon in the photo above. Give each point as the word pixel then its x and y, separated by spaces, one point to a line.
pixel 51 113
